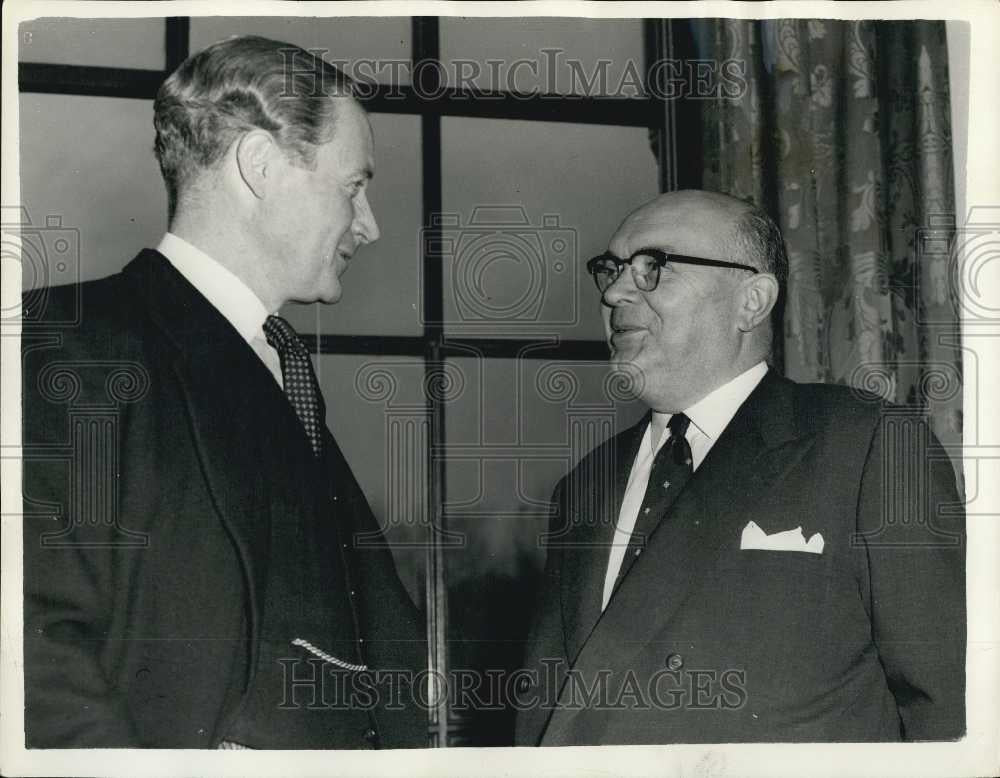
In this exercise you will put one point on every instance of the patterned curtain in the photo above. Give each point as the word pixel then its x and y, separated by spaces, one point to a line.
pixel 843 134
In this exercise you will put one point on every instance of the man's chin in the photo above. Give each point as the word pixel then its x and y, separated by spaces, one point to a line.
pixel 331 294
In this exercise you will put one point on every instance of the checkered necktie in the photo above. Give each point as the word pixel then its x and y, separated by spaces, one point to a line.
pixel 671 470
pixel 297 374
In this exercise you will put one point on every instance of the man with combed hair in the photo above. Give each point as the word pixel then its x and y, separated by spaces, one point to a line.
pixel 208 574
pixel 755 560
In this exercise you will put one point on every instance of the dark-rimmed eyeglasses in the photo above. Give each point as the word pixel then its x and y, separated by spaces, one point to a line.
pixel 646 265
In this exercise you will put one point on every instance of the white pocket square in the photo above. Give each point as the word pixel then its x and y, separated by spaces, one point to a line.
pixel 754 537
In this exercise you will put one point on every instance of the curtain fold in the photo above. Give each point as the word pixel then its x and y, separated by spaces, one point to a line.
pixel 843 134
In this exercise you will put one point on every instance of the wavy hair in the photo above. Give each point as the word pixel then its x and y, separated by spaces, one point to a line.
pixel 237 85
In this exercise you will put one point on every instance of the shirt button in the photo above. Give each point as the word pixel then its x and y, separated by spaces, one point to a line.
pixel 674 662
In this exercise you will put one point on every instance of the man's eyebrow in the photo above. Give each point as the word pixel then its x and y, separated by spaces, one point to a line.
pixel 648 248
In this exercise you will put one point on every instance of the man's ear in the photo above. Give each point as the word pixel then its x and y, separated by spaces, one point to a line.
pixel 255 159
pixel 759 294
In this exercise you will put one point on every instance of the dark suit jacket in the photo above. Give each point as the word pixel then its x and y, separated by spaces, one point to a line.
pixel 158 451
pixel 704 642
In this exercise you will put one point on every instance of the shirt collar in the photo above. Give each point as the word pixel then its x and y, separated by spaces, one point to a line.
pixel 220 286
pixel 713 412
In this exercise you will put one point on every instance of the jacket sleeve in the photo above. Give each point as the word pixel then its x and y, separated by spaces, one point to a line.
pixel 911 526
pixel 69 585
pixel 545 662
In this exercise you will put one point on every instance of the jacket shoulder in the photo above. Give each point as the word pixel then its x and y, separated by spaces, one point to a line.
pixel 823 405
pixel 854 418
pixel 77 308
pixel 75 338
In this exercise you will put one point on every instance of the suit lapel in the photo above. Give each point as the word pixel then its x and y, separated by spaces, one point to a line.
pixel 763 441
pixel 752 451
pixel 236 411
pixel 591 510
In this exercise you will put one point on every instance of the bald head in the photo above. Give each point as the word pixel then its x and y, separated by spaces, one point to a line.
pixel 704 224
pixel 701 325
pixel 687 222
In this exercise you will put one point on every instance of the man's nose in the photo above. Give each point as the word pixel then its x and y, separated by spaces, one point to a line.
pixel 622 289
pixel 365 227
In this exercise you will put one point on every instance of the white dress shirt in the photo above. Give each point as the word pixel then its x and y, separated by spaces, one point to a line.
pixel 227 293
pixel 709 417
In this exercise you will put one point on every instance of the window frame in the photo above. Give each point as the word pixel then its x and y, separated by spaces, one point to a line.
pixel 665 119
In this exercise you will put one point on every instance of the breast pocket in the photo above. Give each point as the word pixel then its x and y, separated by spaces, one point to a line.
pixel 754 562
pixel 773 598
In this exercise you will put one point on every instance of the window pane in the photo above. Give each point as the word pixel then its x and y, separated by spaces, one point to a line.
pixel 375 411
pixel 110 202
pixel 382 285
pixel 514 428
pixel 595 57
pixel 371 46
pixel 522 220
pixel 121 43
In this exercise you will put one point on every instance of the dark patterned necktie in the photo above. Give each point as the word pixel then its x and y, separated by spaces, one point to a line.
pixel 301 386
pixel 670 472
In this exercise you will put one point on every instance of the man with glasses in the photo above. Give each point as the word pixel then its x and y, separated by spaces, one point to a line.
pixel 755 560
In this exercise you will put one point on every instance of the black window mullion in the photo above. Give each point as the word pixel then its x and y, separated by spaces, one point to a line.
pixel 177 41
pixel 678 124
pixel 572 109
pixel 88 81
pixel 426 49
pixel 137 83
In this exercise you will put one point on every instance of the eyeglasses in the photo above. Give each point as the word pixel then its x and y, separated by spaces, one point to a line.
pixel 646 264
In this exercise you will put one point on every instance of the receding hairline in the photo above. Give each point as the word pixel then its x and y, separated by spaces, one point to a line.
pixel 673 209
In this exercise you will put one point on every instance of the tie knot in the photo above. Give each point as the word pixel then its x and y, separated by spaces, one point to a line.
pixel 678 425
pixel 282 336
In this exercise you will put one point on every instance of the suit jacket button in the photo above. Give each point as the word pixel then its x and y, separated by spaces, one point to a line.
pixel 523 684
pixel 675 661
pixel 370 735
